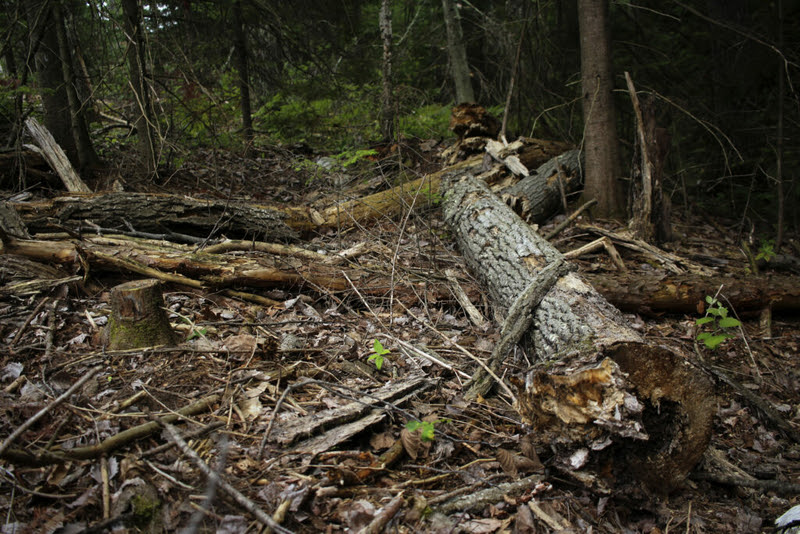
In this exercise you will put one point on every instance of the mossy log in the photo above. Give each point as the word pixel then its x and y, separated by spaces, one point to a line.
pixel 596 381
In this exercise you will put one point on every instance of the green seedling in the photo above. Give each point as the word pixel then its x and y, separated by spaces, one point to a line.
pixel 378 353
pixel 426 428
pixel 767 250
pixel 716 324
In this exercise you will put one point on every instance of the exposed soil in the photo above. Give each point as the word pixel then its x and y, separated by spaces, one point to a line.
pixel 267 368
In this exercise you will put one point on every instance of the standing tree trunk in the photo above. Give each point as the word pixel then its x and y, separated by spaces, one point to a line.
pixel 145 116
pixel 240 45
pixel 458 53
pixel 779 133
pixel 387 99
pixel 600 137
pixel 50 76
pixel 87 157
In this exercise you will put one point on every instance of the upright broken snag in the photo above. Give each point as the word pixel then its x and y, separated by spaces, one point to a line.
pixel 137 317
pixel 595 381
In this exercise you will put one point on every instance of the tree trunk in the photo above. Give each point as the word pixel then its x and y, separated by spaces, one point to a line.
pixel 87 157
pixel 50 76
pixel 458 53
pixel 597 381
pixel 387 99
pixel 137 65
pixel 600 137
pixel 240 45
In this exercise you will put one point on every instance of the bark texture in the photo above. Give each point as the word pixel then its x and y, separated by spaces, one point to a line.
pixel 458 53
pixel 596 380
pixel 137 65
pixel 600 136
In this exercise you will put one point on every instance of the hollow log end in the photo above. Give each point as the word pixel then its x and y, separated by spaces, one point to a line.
pixel 647 400
pixel 679 409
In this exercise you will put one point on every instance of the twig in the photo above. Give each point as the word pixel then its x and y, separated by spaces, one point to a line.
pixel 44 411
pixel 381 518
pixel 28 320
pixel 566 222
pixel 492 494
pixel 518 321
pixel 211 490
pixel 106 446
pixel 214 478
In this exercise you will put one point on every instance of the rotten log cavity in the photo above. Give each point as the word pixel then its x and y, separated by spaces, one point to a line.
pixel 137 317
pixel 596 382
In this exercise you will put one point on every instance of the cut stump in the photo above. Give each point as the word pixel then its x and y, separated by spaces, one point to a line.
pixel 596 382
pixel 137 317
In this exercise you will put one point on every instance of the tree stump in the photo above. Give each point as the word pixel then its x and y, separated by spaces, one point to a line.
pixel 596 381
pixel 137 317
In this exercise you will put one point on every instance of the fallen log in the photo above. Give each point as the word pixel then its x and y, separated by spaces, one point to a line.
pixel 159 213
pixel 537 197
pixel 649 294
pixel 595 381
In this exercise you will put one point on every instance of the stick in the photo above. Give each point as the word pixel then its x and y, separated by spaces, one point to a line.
pixel 44 411
pixel 214 478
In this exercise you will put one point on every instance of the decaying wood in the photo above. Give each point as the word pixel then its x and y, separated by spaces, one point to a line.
pixel 538 197
pixel 597 380
pixel 369 406
pixel 651 210
pixel 419 193
pixel 159 213
pixel 55 157
pixel 137 317
pixel 659 293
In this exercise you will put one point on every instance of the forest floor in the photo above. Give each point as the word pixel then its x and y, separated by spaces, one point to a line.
pixel 271 375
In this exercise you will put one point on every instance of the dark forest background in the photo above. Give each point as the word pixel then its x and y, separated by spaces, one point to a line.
pixel 724 74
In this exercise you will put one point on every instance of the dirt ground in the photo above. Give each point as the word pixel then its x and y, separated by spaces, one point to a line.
pixel 267 378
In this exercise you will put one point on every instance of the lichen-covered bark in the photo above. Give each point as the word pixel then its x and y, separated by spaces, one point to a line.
pixel 506 253
pixel 538 197
pixel 595 381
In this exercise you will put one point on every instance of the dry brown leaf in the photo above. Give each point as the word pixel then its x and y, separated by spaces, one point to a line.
pixel 507 462
pixel 412 443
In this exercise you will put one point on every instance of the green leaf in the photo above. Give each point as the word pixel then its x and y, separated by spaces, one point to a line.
pixel 378 347
pixel 704 320
pixel 729 322
pixel 411 426
pixel 712 342
pixel 713 311
pixel 427 433
pixel 377 359
pixel 710 300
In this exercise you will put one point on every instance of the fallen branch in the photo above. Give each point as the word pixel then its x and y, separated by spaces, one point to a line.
pixel 106 446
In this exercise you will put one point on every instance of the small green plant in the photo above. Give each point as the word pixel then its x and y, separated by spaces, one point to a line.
pixel 767 250
pixel 194 331
pixel 351 157
pixel 716 323
pixel 427 429
pixel 378 352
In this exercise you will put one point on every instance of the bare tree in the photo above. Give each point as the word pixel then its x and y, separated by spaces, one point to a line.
pixel 600 145
pixel 50 75
pixel 87 157
pixel 240 45
pixel 145 115
pixel 387 100
pixel 458 53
